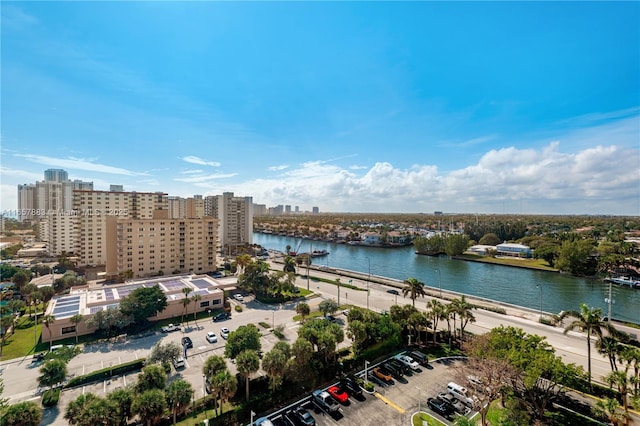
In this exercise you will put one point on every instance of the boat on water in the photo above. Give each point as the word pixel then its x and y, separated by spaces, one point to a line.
pixel 627 281
pixel 319 253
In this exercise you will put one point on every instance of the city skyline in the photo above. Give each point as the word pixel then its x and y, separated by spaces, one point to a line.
pixel 351 107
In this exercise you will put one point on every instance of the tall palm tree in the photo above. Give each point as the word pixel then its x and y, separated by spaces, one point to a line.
pixel 413 288
pixel 289 264
pixel 621 380
pixel 611 347
pixel 48 320
pixel 185 301
pixel 589 320
pixel 463 309
pixel 227 386
pixel 75 320
pixel 247 363
pixel 242 261
pixel 195 298
pixel 436 312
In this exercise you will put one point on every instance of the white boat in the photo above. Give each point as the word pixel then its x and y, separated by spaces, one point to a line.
pixel 625 281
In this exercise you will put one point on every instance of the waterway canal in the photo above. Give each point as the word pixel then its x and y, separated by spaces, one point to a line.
pixel 517 286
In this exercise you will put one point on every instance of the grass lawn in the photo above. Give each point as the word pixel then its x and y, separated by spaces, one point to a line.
pixel 418 418
pixel 520 263
pixel 21 343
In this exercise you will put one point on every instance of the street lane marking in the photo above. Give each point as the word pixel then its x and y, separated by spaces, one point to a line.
pixel 389 403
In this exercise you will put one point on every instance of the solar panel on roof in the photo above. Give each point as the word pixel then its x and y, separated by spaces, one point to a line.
pixel 201 283
pixel 173 285
pixel 108 294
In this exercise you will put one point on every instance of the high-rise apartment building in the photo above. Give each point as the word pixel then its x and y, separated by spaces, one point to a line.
pixel 195 207
pixel 235 216
pixel 92 208
pixel 56 175
pixel 148 247
pixel 177 207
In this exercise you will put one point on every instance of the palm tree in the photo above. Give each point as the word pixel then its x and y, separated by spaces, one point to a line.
pixel 75 320
pixel 178 395
pixel 611 347
pixel 463 309
pixel 247 363
pixel 227 386
pixel 436 313
pixel 185 301
pixel 47 320
pixel 589 320
pixel 195 298
pixel 289 264
pixel 303 310
pixel 621 380
pixel 242 261
pixel 413 288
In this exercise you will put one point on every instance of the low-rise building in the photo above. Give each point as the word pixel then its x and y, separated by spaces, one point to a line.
pixel 514 250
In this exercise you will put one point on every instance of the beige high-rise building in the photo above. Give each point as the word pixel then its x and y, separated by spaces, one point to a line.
pixel 195 207
pixel 93 208
pixel 236 221
pixel 161 246
pixel 177 207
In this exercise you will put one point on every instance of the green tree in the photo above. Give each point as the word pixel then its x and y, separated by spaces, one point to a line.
pixel 242 261
pixel 143 303
pixel 27 413
pixel 196 301
pixel 178 396
pixel 52 372
pixel 357 332
pixel 122 399
pixel 150 406
pixel 274 364
pixel 76 410
pixel 245 337
pixel 576 258
pixel 247 363
pixel 463 310
pixel 185 302
pixel 303 310
pixel 435 312
pixel 589 320
pixel 289 264
pixel 163 354
pixel 620 379
pixel 490 239
pixel 227 386
pixel 414 288
pixel 456 244
pixel 109 321
pixel 299 366
pixel 21 278
pixel 76 320
pixel 610 408
pixel 213 365
pixel 151 377
pixel 328 306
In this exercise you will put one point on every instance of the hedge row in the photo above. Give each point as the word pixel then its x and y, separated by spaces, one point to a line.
pixel 106 373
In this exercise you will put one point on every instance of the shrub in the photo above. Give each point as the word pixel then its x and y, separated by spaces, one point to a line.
pixel 50 397
pixel 279 334
pixel 238 308
pixel 105 373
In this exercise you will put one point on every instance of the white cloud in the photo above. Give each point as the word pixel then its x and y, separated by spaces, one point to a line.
pixel 78 164
pixel 192 172
pixel 197 160
pixel 204 178
pixel 278 168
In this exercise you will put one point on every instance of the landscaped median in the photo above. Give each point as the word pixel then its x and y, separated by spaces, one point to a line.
pixel 106 373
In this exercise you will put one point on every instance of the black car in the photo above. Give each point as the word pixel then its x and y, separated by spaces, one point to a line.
pixel 393 291
pixel 440 407
pixel 221 316
pixel 352 387
pixel 302 417
pixel 186 342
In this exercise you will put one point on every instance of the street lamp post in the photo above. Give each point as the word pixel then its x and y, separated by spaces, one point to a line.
pixel 540 287
pixel 368 279
pixel 439 281
pixel 366 370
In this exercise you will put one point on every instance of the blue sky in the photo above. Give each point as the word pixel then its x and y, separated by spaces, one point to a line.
pixel 502 107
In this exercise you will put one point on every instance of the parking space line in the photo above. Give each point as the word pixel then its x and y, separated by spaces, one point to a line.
pixel 389 403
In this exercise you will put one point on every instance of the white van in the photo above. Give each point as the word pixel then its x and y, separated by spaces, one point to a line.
pixel 461 393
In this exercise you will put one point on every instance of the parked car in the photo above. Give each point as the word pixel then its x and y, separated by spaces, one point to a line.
pixel 408 361
pixel 224 332
pixel 395 370
pixel 382 375
pixel 222 316
pixel 338 394
pixel 419 357
pixel 352 387
pixel 457 406
pixel 39 357
pixel 302 417
pixel 211 337
pixel 440 407
pixel 169 328
pixel 186 342
pixel 238 297
pixel 393 291
pixel 325 401
pixel 179 363
pixel 263 421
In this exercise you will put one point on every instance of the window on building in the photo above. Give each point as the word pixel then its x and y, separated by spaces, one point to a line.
pixel 67 330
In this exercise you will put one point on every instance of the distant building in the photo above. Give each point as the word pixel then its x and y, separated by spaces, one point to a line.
pixel 315 210
pixel 287 209
pixel 116 188
pixel 514 250
pixel 259 210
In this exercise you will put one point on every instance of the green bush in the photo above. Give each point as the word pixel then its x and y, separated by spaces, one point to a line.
pixel 106 373
pixel 50 397
pixel 264 325
pixel 279 334
pixel 238 308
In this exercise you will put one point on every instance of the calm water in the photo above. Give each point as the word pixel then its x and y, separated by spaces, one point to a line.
pixel 505 284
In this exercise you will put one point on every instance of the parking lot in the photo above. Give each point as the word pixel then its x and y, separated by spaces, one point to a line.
pixel 392 404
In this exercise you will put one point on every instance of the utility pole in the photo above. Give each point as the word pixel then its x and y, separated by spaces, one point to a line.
pixel 609 302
